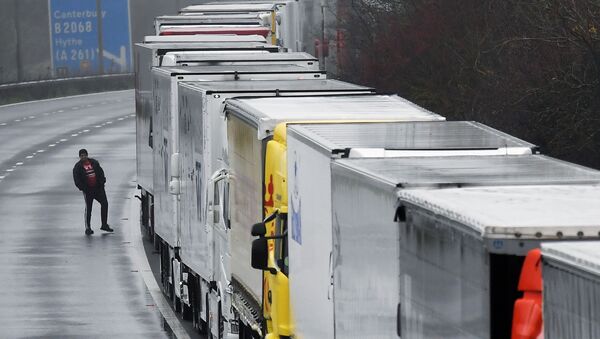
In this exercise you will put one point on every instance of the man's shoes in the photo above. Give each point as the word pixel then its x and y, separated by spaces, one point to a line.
pixel 106 228
pixel 88 231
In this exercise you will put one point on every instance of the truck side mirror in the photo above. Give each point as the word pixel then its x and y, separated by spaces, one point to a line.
pixel 258 230
pixel 260 254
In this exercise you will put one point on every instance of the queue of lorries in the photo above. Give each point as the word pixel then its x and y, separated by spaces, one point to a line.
pixel 288 205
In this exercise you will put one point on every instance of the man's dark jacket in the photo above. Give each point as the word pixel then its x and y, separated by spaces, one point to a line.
pixel 80 178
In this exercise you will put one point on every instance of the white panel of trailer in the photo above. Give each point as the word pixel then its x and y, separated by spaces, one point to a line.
pixel 536 212
pixel 473 170
pixel 571 275
pixel 234 19
pixel 265 113
pixel 408 136
pixel 243 58
pixel 245 154
pixel 364 256
pixel 255 69
pixel 309 240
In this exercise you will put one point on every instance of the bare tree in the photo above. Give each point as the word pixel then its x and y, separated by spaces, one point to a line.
pixel 528 67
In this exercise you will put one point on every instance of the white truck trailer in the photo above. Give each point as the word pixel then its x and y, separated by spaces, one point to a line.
pixel 311 150
pixel 150 55
pixel 571 275
pixel 249 191
pixel 164 122
pixel 202 150
pixel 284 18
pixel 448 236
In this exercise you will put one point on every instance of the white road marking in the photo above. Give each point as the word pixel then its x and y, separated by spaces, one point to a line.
pixel 74 135
pixel 85 130
pixel 121 119
pixel 109 122
pixel 10 169
pixel 63 140
pixel 41 151
pixel 70 96
pixel 98 126
pixel 18 120
pixel 19 163
pixel 29 157
pixel 51 145
pixel 3 124
pixel 60 111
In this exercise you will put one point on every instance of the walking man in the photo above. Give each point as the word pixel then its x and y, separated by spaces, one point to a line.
pixel 89 178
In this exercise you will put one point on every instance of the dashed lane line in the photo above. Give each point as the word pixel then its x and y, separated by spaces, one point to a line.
pixel 20 163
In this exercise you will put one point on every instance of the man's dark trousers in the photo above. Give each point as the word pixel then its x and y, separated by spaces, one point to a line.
pixel 99 195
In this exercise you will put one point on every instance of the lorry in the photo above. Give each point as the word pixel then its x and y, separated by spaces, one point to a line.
pixel 284 18
pixel 187 245
pixel 311 148
pixel 449 236
pixel 571 281
pixel 148 55
pixel 317 145
pixel 243 191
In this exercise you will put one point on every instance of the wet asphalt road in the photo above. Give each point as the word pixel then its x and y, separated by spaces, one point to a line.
pixel 54 280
